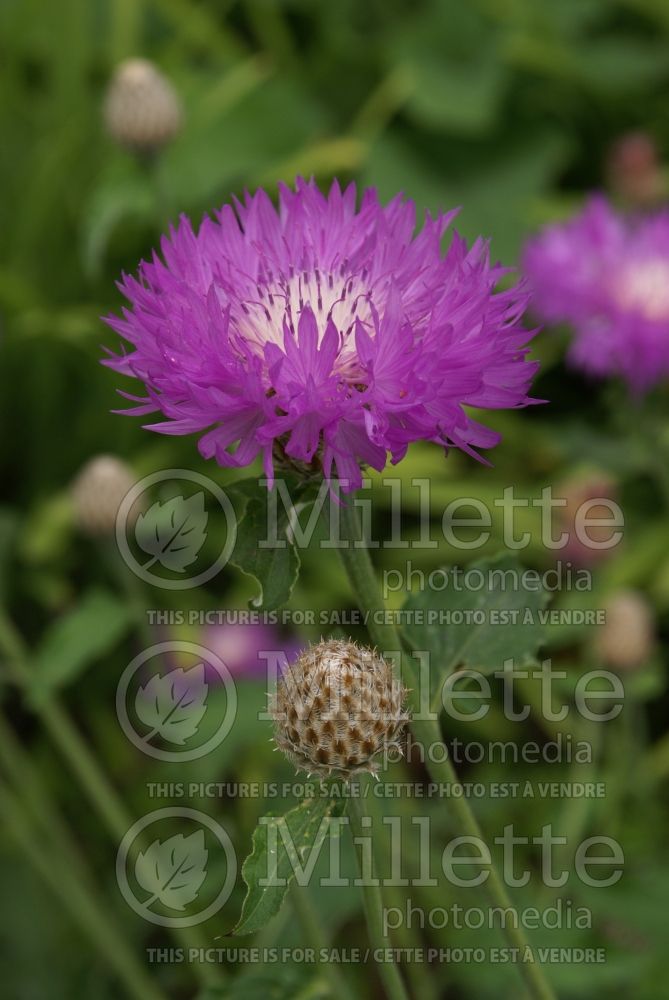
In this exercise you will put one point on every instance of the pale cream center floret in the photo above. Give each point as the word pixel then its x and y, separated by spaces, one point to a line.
pixel 644 288
pixel 343 299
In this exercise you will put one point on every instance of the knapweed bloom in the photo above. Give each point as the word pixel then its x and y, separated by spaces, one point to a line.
pixel 249 650
pixel 607 276
pixel 321 332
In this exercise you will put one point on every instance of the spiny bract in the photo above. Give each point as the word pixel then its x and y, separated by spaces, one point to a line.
pixel 338 709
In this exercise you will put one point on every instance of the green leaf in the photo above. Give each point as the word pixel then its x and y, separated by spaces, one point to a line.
pixel 482 647
pixel 522 166
pixel 298 837
pixel 275 563
pixel 452 60
pixel 233 137
pixel 78 639
pixel 618 65
pixel 276 568
pixel 123 192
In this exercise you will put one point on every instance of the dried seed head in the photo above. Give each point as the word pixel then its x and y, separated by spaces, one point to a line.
pixel 97 493
pixel 338 709
pixel 142 110
pixel 626 640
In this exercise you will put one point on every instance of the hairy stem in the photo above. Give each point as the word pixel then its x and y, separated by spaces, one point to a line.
pixel 312 928
pixel 385 635
pixel 371 891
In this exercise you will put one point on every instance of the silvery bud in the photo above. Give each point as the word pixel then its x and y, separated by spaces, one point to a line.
pixel 338 710
pixel 97 493
pixel 627 638
pixel 142 110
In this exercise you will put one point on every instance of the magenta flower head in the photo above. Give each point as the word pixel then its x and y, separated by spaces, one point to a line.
pixel 321 333
pixel 607 276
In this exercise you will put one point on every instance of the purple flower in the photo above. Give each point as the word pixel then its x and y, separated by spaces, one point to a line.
pixel 607 276
pixel 321 332
pixel 246 649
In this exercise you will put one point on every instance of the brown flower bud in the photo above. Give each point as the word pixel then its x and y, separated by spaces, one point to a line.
pixel 97 493
pixel 634 171
pixel 338 709
pixel 581 495
pixel 142 110
pixel 627 638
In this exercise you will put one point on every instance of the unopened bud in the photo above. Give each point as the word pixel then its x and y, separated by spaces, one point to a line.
pixel 634 171
pixel 627 638
pixel 588 496
pixel 142 110
pixel 338 710
pixel 97 493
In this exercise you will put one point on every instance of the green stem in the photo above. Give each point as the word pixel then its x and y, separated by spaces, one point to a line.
pixel 385 101
pixel 372 898
pixel 420 980
pixel 364 583
pixel 637 424
pixel 88 772
pixel 125 29
pixel 315 933
pixel 35 800
pixel 151 165
pixel 65 735
pixel 79 900
pixel 24 774
pixel 272 31
pixel 577 811
pixel 529 691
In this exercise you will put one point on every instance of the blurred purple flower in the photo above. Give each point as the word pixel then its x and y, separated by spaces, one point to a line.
pixel 240 647
pixel 607 276
pixel 338 335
